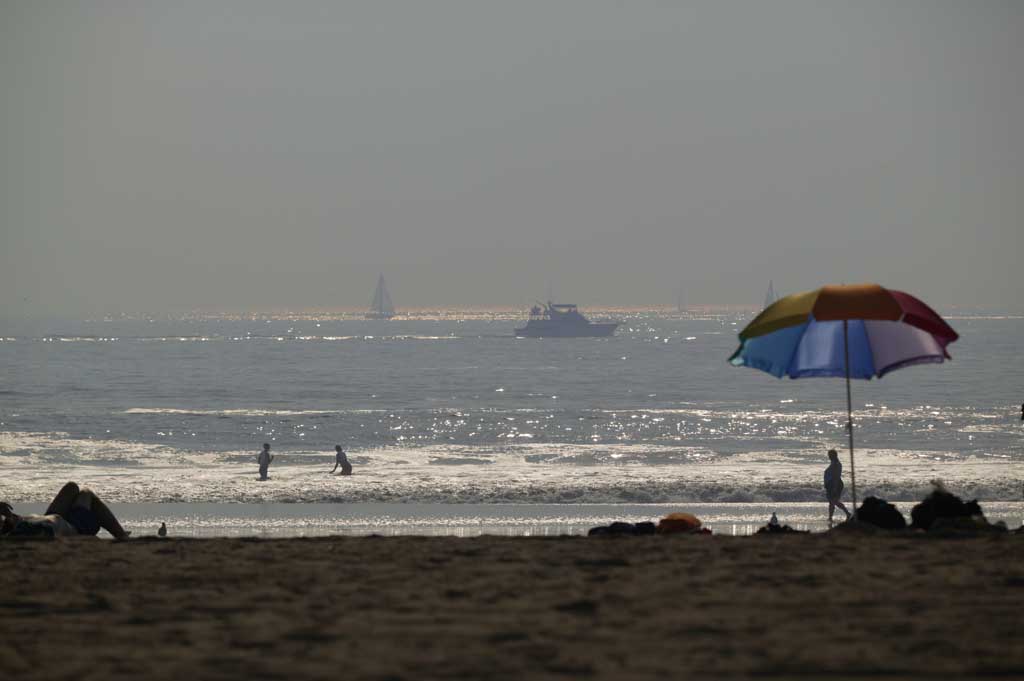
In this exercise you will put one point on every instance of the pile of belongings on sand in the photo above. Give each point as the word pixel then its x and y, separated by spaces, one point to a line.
pixel 673 523
pixel 941 512
pixel 774 527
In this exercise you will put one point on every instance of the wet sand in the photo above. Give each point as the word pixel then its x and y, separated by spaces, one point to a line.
pixel 829 605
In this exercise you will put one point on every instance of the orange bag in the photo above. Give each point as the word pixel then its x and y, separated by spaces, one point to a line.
pixel 678 522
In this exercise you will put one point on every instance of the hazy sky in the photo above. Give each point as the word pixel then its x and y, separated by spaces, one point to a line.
pixel 236 154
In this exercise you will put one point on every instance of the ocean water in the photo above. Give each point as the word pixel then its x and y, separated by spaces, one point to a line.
pixel 449 408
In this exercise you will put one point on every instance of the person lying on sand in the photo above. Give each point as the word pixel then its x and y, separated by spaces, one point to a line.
pixel 341 460
pixel 834 485
pixel 74 511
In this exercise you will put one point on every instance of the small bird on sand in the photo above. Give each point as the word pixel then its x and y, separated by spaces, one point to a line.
pixel 163 530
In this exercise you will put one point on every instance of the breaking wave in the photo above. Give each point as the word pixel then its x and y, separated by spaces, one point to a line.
pixel 34 465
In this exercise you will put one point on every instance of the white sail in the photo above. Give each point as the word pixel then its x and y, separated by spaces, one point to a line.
pixel 381 307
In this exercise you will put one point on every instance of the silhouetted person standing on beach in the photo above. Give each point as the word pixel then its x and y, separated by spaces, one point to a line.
pixel 341 460
pixel 264 460
pixel 834 485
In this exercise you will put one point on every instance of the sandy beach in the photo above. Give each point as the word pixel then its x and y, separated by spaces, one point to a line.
pixel 839 605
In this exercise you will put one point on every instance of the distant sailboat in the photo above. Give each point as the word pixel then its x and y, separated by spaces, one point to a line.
pixel 770 296
pixel 680 308
pixel 381 307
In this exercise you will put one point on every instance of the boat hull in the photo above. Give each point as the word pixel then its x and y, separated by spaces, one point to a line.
pixel 547 329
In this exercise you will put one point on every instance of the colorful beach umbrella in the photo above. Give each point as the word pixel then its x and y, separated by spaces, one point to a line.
pixel 857 331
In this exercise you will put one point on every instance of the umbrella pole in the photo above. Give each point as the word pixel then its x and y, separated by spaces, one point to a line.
pixel 849 417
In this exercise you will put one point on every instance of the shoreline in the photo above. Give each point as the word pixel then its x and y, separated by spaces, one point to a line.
pixel 284 520
pixel 841 604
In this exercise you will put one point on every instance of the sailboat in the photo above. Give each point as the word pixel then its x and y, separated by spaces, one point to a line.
pixel 381 307
pixel 770 296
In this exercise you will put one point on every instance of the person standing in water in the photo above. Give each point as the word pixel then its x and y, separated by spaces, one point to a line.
pixel 341 460
pixel 834 485
pixel 264 460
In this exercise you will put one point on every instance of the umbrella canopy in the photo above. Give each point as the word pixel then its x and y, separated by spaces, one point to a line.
pixel 803 334
pixel 858 331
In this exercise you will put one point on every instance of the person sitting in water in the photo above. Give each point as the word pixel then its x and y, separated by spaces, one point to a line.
pixel 834 485
pixel 341 460
pixel 74 511
pixel 264 459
